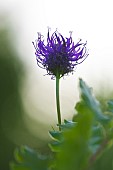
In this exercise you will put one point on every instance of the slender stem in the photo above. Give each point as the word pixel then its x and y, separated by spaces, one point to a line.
pixel 58 100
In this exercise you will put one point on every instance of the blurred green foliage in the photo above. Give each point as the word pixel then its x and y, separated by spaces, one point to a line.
pixel 13 131
pixel 29 159
pixel 10 100
pixel 86 143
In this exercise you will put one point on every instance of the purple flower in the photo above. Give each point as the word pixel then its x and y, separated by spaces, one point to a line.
pixel 59 55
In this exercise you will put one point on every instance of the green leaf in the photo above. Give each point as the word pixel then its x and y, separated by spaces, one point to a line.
pixel 56 135
pixel 55 146
pixel 98 135
pixel 110 105
pixel 90 104
pixel 67 125
pixel 105 161
pixel 75 151
pixel 28 159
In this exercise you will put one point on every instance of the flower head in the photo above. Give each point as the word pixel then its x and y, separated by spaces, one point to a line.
pixel 59 55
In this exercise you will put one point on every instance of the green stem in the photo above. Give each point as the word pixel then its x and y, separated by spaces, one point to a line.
pixel 58 100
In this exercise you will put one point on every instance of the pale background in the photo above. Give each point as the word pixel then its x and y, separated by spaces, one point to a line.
pixel 91 20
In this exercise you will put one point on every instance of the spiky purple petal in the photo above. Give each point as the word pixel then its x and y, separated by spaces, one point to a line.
pixel 59 55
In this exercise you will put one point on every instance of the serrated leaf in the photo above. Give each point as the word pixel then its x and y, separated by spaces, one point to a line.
pixel 75 152
pixel 56 135
pixel 67 125
pixel 90 104
pixel 98 135
pixel 55 146
pixel 28 159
